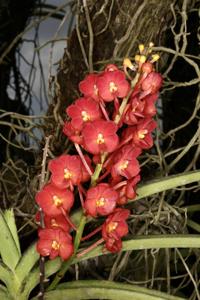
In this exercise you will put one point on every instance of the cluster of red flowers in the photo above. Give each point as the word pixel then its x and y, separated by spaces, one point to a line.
pixel 109 125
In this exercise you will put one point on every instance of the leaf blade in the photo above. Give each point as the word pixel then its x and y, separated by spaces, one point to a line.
pixel 27 262
pixel 10 220
pixel 8 248
pixel 92 289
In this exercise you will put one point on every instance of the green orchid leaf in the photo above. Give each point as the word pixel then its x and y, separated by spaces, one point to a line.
pixel 10 220
pixel 150 242
pixel 3 288
pixel 8 247
pixel 6 276
pixel 4 294
pixel 166 183
pixel 27 262
pixel 93 289
pixel 138 243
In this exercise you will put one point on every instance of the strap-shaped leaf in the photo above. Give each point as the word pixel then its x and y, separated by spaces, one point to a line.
pixel 167 183
pixel 160 241
pixel 138 243
pixel 96 289
pixel 6 275
pixel 4 293
pixel 27 262
pixel 10 220
pixel 8 248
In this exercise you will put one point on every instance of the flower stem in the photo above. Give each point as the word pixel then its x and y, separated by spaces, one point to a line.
pixel 104 111
pixel 93 246
pixel 125 100
pixel 81 197
pixel 98 169
pixel 104 175
pixel 120 184
pixel 78 149
pixel 91 233
pixel 68 219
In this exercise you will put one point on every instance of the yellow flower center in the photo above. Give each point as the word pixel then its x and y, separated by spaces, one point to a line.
pixel 55 245
pixel 124 165
pixel 100 139
pixel 85 116
pixel 142 133
pixel 111 226
pixel 67 174
pixel 100 202
pixel 112 87
pixel 57 201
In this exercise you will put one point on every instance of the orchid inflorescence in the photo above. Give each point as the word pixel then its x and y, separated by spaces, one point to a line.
pixel 109 126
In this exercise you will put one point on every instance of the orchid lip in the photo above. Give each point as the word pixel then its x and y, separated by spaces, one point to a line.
pixel 67 174
pixel 112 87
pixel 100 202
pixel 85 116
pixel 124 165
pixel 55 245
pixel 142 134
pixel 100 139
pixel 57 201
pixel 112 226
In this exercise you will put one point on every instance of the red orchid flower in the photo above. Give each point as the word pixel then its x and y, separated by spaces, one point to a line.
pixel 68 170
pixel 83 110
pixel 89 88
pixel 100 200
pixel 138 109
pixel 150 109
pixel 54 242
pixel 112 84
pixel 135 111
pixel 140 135
pixel 151 84
pixel 53 200
pixel 114 228
pixel 73 134
pixel 57 222
pixel 125 162
pixel 100 136
pixel 128 190
pixel 113 245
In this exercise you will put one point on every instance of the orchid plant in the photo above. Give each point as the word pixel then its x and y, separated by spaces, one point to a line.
pixel 110 126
